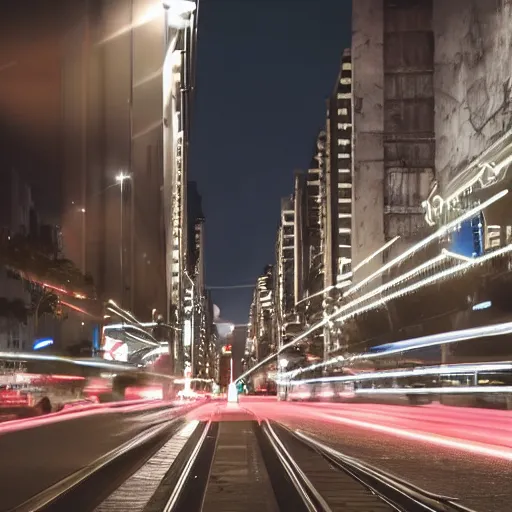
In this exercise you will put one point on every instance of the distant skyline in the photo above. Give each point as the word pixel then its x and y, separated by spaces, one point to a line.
pixel 263 77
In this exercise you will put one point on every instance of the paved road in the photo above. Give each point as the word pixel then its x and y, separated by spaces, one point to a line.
pixel 441 449
pixel 464 453
pixel 33 459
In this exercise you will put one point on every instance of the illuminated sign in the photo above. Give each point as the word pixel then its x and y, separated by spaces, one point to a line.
pixel 482 305
pixel 226 349
pixel 39 344
pixel 115 350
pixel 467 240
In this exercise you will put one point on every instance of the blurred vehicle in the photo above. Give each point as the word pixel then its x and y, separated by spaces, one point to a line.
pixel 476 384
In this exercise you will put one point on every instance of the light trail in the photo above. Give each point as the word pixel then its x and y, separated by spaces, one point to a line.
pixel 443 230
pixel 467 446
pixel 452 369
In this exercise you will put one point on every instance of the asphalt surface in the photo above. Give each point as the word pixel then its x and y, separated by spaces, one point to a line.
pixel 36 458
pixel 480 482
pixel 457 452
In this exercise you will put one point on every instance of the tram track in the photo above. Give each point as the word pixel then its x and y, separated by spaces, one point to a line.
pixel 210 466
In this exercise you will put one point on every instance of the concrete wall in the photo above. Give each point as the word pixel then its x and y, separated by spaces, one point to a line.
pixel 116 137
pixel 473 69
pixel 393 132
pixel 408 116
pixel 112 122
pixel 368 152
pixel 147 164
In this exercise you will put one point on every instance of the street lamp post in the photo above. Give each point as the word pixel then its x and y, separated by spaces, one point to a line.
pixel 120 178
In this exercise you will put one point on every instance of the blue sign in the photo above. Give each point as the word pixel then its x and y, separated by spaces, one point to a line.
pixel 45 342
pixel 467 240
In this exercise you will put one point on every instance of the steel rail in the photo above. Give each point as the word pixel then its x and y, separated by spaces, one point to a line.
pixel 391 489
pixel 186 472
pixel 309 495
pixel 52 494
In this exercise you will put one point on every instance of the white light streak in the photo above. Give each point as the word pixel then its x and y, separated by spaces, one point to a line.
pixel 430 280
pixel 339 285
pixel 399 293
pixel 449 369
pixel 408 275
pixel 423 243
pixel 452 390
pixel 376 253
pixel 425 282
pixel 126 327
pixel 416 436
pixel 495 169
pixel 456 256
pixel 123 310
pixel 417 343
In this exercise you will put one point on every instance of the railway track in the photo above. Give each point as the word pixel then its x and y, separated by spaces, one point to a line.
pixel 220 466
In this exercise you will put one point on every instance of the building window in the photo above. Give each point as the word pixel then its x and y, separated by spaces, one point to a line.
pixel 343 96
pixel 345 81
pixel 343 111
pixel 343 142
pixel 344 126
pixel 343 155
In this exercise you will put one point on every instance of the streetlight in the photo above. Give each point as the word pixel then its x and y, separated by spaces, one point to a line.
pixel 179 7
pixel 120 178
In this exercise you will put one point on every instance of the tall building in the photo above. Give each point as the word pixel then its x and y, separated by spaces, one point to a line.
pixel 127 82
pixel 195 341
pixel 393 126
pixel 178 88
pixel 208 344
pixel 338 179
pixel 314 220
pixel 432 146
pixel 17 328
pixel 472 115
pixel 261 321
pixel 287 320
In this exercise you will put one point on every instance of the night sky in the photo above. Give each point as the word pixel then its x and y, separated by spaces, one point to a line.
pixel 264 71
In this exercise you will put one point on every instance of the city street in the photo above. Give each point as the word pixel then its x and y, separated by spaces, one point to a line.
pixel 36 458
pixel 457 452
pixel 383 436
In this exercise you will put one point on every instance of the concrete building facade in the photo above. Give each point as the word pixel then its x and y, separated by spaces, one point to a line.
pixel 394 144
pixel 338 178
pixel 127 81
